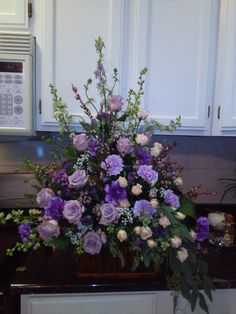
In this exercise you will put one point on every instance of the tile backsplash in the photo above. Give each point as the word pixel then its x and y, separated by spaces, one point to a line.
pixel 205 161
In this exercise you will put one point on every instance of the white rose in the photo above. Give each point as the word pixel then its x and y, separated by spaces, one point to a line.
pixel 142 114
pixel 164 221
pixel 180 216
pixel 141 139
pixel 178 181
pixel 193 234
pixel 124 203
pixel 156 149
pixel 182 254
pixel 137 189
pixel 154 203
pixel 122 182
pixel 121 235
pixel 137 230
pixel 145 233
pixel 217 220
pixel 151 243
pixel 175 242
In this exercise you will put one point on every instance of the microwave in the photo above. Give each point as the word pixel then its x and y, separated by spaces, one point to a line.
pixel 16 84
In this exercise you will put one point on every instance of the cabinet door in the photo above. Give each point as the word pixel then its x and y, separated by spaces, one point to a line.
pixel 13 14
pixel 225 99
pixel 93 303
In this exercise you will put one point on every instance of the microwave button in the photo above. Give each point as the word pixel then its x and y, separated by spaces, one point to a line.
pixel 8 77
pixel 18 77
pixel 18 99
pixel 8 81
pixel 18 109
pixel 17 82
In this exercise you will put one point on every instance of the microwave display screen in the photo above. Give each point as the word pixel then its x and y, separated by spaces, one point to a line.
pixel 9 66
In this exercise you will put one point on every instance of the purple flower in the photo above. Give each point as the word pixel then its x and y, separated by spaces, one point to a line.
pixel 44 196
pixel 81 142
pixel 109 214
pixel 67 164
pixel 143 207
pixel 143 156
pixel 148 174
pixel 114 193
pixel 100 71
pixel 54 208
pixel 92 243
pixel 48 229
pixel 60 177
pixel 113 165
pixel 73 211
pixel 124 146
pixel 171 199
pixel 24 231
pixel 202 228
pixel 93 145
pixel 78 179
pixel 115 103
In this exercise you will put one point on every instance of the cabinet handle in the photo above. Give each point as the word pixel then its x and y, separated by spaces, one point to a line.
pixel 30 9
pixel 218 113
pixel 208 112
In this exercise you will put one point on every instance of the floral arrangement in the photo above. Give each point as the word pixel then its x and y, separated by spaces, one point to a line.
pixel 110 185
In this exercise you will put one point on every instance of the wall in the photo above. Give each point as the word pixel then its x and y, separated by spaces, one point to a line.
pixel 205 161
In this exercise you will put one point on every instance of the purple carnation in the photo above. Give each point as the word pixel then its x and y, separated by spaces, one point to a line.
pixel 54 208
pixel 143 207
pixel 24 231
pixel 60 177
pixel 171 199
pixel 202 228
pixel 113 165
pixel 114 193
pixel 148 174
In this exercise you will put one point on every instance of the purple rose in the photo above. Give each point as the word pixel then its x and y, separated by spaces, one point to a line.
pixel 73 211
pixel 148 174
pixel 54 208
pixel 24 231
pixel 81 142
pixel 115 103
pixel 92 243
pixel 48 229
pixel 124 146
pixel 202 228
pixel 78 179
pixel 171 199
pixel 109 214
pixel 44 196
pixel 143 207
pixel 113 165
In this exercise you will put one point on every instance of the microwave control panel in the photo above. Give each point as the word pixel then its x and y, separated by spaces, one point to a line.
pixel 12 94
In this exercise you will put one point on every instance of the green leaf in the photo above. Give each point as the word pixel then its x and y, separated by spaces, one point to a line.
pixel 185 289
pixel 193 300
pixel 135 264
pixel 61 243
pixel 146 260
pixel 187 208
pixel 203 267
pixel 121 257
pixel 202 303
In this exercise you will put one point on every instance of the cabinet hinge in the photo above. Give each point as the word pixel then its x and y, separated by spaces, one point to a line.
pixel 40 107
pixel 218 113
pixel 208 112
pixel 30 9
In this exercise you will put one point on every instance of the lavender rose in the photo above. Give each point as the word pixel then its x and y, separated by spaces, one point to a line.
pixel 115 103
pixel 73 211
pixel 92 243
pixel 44 196
pixel 48 229
pixel 81 142
pixel 109 214
pixel 124 146
pixel 78 179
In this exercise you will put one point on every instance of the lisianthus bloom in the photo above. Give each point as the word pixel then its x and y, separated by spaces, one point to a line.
pixel 164 221
pixel 142 114
pixel 73 211
pixel 171 199
pixel 175 241
pixel 143 207
pixel 48 229
pixel 115 103
pixel 114 193
pixel 123 182
pixel 137 189
pixel 44 196
pixel 81 142
pixel 54 207
pixel 124 146
pixel 202 228
pixel 92 243
pixel 78 179
pixel 113 165
pixel 24 231
pixel 145 233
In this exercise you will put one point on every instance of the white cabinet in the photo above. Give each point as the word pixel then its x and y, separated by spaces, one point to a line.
pixel 103 303
pixel 13 14
pixel 188 46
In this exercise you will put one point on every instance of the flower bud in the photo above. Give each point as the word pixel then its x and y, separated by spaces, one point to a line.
pixel 151 243
pixel 122 182
pixel 137 189
pixel 121 235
